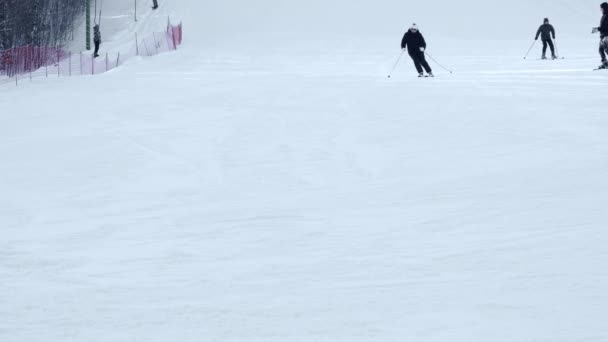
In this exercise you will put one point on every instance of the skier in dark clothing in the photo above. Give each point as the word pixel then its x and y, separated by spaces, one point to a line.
pixel 546 32
pixel 96 40
pixel 603 30
pixel 416 45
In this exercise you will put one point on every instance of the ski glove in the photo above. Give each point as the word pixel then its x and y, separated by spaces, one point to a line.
pixel 595 30
pixel 421 49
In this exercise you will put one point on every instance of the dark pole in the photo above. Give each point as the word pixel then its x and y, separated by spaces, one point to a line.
pixel 88 23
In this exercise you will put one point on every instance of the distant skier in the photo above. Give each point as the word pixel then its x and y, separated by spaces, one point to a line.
pixel 416 45
pixel 155 4
pixel 603 30
pixel 96 40
pixel 546 31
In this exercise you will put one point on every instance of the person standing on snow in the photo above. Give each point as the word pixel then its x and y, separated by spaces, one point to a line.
pixel 603 30
pixel 96 40
pixel 546 31
pixel 416 45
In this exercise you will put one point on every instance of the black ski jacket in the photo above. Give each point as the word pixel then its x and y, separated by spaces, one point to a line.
pixel 96 35
pixel 414 41
pixel 545 31
pixel 604 26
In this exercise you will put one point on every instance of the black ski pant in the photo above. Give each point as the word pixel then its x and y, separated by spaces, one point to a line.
pixel 96 49
pixel 548 42
pixel 420 61
pixel 603 48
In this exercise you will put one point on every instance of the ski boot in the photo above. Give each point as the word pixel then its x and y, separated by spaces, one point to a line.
pixel 430 74
pixel 554 57
pixel 420 75
pixel 543 57
pixel 603 66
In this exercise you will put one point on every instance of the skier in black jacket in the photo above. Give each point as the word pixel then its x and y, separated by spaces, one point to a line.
pixel 546 31
pixel 416 45
pixel 96 40
pixel 603 30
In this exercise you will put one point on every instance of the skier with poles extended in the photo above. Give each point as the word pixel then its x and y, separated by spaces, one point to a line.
pixel 546 31
pixel 416 45
pixel 603 30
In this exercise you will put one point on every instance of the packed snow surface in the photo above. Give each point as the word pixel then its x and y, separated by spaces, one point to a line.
pixel 275 185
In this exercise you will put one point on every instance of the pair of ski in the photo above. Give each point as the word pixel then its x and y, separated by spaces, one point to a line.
pixel 601 67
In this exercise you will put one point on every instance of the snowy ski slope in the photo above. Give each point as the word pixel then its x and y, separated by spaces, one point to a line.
pixel 268 182
pixel 118 25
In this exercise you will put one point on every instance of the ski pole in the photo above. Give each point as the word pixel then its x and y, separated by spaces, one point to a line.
pixel 530 49
pixel 396 63
pixel 556 50
pixel 441 66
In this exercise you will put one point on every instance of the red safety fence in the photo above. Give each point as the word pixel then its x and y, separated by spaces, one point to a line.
pixel 176 34
pixel 29 62
pixel 28 58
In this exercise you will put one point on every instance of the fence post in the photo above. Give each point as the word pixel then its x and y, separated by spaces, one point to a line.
pixel 173 36
pixel 168 41
pixel 16 63
pixel 13 62
pixel 118 59
pixel 27 59
pixel 58 65
pixel 146 46
pixel 155 44
pixel 11 68
pixel 92 65
pixel 136 45
pixel 17 69
pixel 31 62
pixel 70 64
pixel 81 71
pixel 106 62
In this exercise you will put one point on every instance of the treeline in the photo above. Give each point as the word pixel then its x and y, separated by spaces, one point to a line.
pixel 38 22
